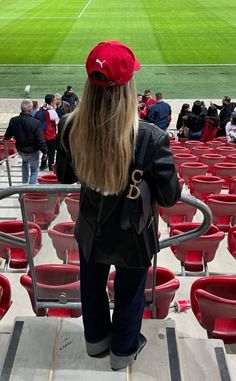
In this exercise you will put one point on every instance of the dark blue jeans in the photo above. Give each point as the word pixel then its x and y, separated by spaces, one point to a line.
pixel 129 304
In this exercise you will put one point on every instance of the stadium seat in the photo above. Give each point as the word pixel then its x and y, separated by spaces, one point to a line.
pixel 182 140
pixel 49 178
pixel 214 143
pixel 16 257
pixel 223 208
pixel 222 139
pixel 175 143
pixel 210 159
pixel 41 208
pixel 192 143
pixel 181 182
pixel 180 158
pixel 203 186
pixel 213 301
pixel 5 295
pixel 179 149
pixel 195 255
pixel 72 201
pixel 225 150
pixel 232 241
pixel 232 185
pixel 188 170
pixel 52 280
pixel 64 242
pixel 166 286
pixel 180 212
pixel 230 158
pixel 201 150
pixel 224 170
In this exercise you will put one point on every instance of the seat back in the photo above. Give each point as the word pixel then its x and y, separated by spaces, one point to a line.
pixel 225 150
pixel 192 143
pixel 41 208
pixel 200 250
pixel 188 170
pixel 166 286
pixel 214 143
pixel 210 159
pixel 203 186
pixel 64 242
pixel 180 212
pixel 17 256
pixel 72 201
pixel 224 170
pixel 223 208
pixel 52 280
pixel 201 150
pixel 179 149
pixel 180 158
pixel 5 295
pixel 213 301
pixel 232 241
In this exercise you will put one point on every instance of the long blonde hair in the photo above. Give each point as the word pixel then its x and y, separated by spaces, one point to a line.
pixel 102 138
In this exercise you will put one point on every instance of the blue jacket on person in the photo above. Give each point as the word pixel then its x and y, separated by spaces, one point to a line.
pixel 160 114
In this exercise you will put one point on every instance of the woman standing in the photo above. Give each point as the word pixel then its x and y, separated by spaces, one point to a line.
pixel 104 137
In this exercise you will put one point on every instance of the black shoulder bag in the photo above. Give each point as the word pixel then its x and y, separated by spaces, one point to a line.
pixel 137 208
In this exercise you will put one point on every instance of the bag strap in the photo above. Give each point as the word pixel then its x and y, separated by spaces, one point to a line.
pixel 139 161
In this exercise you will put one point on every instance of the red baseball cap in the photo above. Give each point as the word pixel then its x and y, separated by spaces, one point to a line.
pixel 113 59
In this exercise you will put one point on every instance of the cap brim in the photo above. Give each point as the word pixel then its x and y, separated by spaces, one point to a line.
pixel 137 65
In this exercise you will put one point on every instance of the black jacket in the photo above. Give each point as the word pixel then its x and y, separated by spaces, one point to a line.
pixel 27 132
pixel 72 99
pixel 98 227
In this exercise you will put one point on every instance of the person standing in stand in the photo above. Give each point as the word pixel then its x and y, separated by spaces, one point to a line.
pixel 49 119
pixel 103 138
pixel 29 138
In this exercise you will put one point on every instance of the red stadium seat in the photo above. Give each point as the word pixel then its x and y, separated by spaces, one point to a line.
pixel 72 201
pixel 16 257
pixel 201 150
pixel 214 143
pixel 181 182
pixel 231 158
pixel 232 185
pixel 53 280
pixel 192 143
pixel 195 254
pixel 210 159
pixel 180 158
pixel 213 301
pixel 5 295
pixel 223 208
pixel 222 139
pixel 203 186
pixel 180 212
pixel 166 286
pixel 225 150
pixel 179 149
pixel 64 242
pixel 188 170
pixel 49 178
pixel 232 241
pixel 41 208
pixel 224 170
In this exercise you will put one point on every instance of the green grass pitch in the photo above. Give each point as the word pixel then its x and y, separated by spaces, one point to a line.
pixel 172 32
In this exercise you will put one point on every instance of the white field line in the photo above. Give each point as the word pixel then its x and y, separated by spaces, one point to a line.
pixel 38 18
pixel 84 9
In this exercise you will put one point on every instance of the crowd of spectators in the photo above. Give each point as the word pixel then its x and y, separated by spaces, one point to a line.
pixel 196 123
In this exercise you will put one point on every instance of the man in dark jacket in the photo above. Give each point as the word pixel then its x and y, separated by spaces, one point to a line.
pixel 226 110
pixel 70 97
pixel 29 138
pixel 159 113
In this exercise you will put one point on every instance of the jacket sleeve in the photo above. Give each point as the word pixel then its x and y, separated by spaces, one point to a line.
pixel 40 139
pixel 9 132
pixel 162 175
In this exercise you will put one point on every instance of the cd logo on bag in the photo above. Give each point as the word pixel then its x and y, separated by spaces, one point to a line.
pixel 134 191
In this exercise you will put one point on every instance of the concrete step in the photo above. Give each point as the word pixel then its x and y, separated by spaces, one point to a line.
pixel 43 349
pixel 204 359
pixel 4 340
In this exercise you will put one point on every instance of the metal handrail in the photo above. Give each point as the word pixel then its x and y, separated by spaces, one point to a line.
pixel 6 159
pixel 59 188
